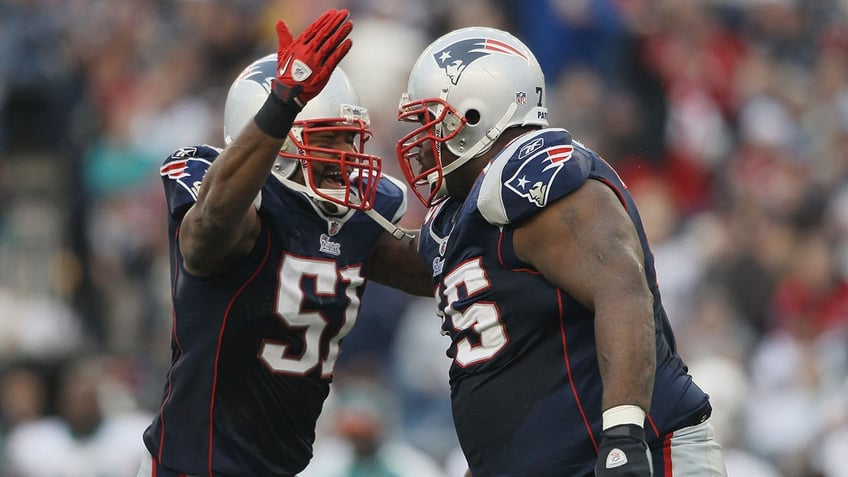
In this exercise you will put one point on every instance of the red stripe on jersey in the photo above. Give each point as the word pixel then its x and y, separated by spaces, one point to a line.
pixel 619 194
pixel 568 371
pixel 560 153
pixel 221 340
pixel 170 372
pixel 172 166
pixel 174 170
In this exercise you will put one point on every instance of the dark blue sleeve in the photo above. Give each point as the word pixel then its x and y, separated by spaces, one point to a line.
pixel 390 201
pixel 182 174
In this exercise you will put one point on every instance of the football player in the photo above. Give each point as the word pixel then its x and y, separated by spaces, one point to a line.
pixel 272 241
pixel 564 362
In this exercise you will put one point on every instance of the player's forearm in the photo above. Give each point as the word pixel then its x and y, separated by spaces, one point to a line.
pixel 626 347
pixel 396 263
pixel 419 274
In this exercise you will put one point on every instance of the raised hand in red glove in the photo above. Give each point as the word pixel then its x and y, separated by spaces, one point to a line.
pixel 304 65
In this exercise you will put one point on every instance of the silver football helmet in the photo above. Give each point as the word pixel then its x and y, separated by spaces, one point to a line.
pixel 464 90
pixel 337 109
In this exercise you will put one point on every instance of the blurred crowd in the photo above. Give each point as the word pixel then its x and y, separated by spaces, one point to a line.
pixel 728 119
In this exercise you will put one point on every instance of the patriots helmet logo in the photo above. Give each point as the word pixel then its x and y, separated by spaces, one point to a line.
pixel 533 177
pixel 456 57
pixel 261 72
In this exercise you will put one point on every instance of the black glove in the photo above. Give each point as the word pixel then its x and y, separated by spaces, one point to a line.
pixel 624 453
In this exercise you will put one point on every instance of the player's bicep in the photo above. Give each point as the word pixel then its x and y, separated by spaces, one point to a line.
pixel 586 245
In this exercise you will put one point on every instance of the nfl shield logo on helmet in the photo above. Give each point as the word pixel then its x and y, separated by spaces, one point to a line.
pixel 521 98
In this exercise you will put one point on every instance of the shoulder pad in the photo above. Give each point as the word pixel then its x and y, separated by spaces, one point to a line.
pixel 390 200
pixel 534 170
pixel 182 173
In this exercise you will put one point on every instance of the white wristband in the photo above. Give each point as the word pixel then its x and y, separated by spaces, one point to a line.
pixel 624 414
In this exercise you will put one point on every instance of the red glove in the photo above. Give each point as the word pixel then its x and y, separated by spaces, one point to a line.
pixel 304 64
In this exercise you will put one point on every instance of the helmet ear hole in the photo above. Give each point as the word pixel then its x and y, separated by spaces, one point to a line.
pixel 472 117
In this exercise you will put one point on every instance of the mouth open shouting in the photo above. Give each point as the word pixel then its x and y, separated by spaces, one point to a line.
pixel 331 178
pixel 331 182
pixel 334 171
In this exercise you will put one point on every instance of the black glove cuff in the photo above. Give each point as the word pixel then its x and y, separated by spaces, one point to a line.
pixel 631 431
pixel 276 117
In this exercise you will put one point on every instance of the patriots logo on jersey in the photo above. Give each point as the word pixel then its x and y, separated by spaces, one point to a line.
pixel 174 169
pixel 328 246
pixel 438 266
pixel 186 172
pixel 456 57
pixel 533 177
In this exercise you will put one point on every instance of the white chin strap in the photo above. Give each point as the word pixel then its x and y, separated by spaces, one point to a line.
pixel 475 150
pixel 396 231
pixel 393 229
pixel 330 208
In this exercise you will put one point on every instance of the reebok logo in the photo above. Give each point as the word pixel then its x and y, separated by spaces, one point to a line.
pixel 616 458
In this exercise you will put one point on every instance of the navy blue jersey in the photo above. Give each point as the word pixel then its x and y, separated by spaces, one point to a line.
pixel 525 383
pixel 253 350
